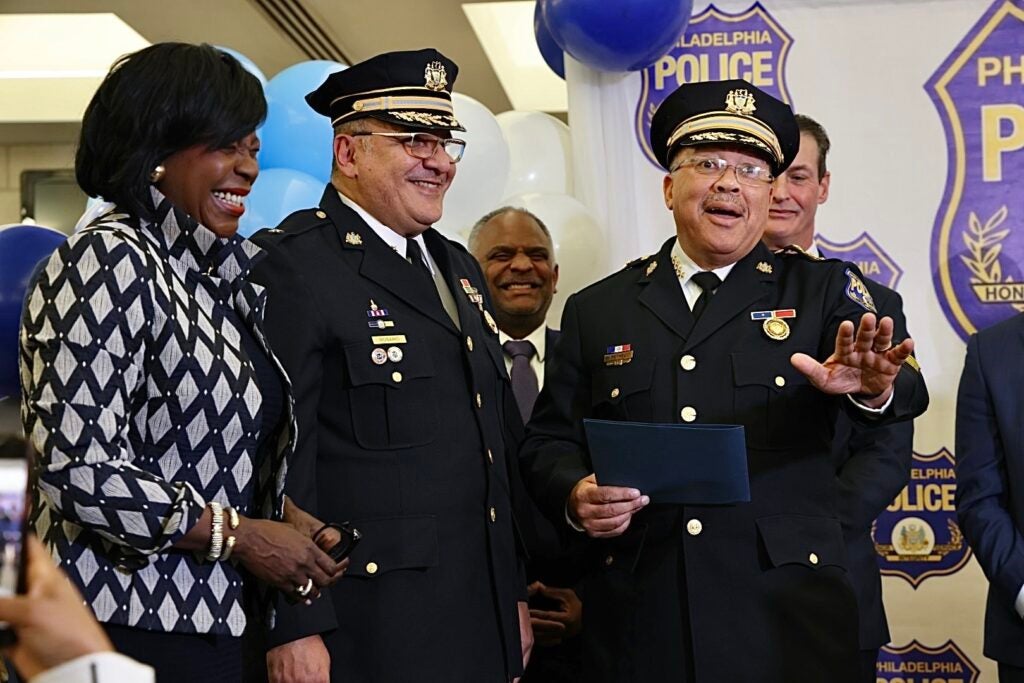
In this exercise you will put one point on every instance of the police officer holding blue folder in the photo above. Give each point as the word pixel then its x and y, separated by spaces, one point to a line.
pixel 715 328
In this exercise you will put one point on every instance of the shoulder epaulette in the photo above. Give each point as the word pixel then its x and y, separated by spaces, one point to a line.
pixel 638 261
pixel 797 250
pixel 298 223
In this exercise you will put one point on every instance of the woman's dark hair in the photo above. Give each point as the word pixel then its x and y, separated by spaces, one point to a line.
pixel 157 101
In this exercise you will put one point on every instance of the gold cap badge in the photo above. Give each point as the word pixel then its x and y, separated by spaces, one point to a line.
pixel 740 102
pixel 435 76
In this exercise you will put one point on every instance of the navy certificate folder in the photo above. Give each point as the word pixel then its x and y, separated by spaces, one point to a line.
pixel 672 463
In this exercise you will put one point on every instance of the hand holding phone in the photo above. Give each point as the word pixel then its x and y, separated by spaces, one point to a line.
pixel 52 623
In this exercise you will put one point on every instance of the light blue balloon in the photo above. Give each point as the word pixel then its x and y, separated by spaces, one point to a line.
pixel 277 193
pixel 246 63
pixel 294 136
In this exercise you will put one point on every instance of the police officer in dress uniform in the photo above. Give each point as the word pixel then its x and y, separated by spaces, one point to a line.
pixel 401 396
pixel 715 328
pixel 872 462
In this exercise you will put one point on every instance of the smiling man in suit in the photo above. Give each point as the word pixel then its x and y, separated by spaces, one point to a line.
pixel 385 329
pixel 517 255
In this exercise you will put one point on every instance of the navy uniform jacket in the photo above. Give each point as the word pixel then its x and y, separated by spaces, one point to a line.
pixel 761 588
pixel 873 467
pixel 990 476
pixel 413 452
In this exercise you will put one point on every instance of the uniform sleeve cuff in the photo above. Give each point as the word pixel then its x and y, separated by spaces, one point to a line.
pixel 872 411
pixel 571 522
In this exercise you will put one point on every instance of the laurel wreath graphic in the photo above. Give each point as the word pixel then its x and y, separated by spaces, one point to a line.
pixel 985 243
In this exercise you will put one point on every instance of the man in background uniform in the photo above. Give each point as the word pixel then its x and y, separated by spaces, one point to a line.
pixel 873 462
pixel 517 256
pixel 401 398
pixel 716 329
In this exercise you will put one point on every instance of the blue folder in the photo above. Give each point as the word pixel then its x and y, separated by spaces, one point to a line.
pixel 672 463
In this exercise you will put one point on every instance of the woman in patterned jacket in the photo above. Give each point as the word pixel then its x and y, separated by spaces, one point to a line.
pixel 162 418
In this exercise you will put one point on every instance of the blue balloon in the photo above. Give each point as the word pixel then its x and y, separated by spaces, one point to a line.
pixel 277 193
pixel 246 63
pixel 616 36
pixel 294 136
pixel 549 50
pixel 22 247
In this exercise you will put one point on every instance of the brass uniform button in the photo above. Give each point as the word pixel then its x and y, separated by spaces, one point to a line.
pixel 397 376
pixel 615 392
pixel 687 362
pixel 321 214
pixel 694 527
pixel 813 558
pixel 479 401
pixel 469 343
pixel 688 413
pixel 371 567
pixel 494 515
pixel 780 381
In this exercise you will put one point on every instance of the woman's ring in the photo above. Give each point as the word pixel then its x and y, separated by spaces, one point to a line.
pixel 303 591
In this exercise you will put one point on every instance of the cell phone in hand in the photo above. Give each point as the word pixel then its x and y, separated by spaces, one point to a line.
pixel 350 538
pixel 13 503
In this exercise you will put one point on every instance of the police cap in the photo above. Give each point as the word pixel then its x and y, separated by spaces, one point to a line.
pixel 725 112
pixel 412 89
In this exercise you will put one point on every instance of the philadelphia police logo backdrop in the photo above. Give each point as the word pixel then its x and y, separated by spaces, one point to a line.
pixel 918 535
pixel 978 243
pixel 916 663
pixel 864 251
pixel 716 46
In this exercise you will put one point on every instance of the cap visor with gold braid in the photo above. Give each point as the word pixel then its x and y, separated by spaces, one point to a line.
pixel 730 112
pixel 410 89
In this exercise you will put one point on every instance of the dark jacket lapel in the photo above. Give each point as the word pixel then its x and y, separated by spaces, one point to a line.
pixel 747 282
pixel 379 263
pixel 663 295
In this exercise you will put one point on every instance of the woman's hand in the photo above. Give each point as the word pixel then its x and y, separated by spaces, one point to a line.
pixel 309 525
pixel 280 555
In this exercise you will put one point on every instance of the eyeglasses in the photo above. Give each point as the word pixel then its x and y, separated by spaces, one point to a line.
pixel 424 145
pixel 714 167
pixel 350 538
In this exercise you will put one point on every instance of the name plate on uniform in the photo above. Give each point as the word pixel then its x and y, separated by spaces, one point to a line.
pixel 672 463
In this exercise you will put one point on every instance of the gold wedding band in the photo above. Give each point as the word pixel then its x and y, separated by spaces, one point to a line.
pixel 303 591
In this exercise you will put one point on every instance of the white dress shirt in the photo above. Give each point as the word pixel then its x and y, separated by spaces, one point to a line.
pixel 390 237
pixel 100 667
pixel 538 338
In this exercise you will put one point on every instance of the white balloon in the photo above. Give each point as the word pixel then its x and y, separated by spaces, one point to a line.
pixel 540 151
pixel 480 176
pixel 580 249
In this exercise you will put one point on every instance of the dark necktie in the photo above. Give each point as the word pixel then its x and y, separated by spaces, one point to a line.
pixel 524 379
pixel 708 283
pixel 415 256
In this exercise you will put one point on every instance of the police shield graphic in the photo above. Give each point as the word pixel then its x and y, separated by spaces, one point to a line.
pixel 915 662
pixel 978 240
pixel 918 536
pixel 870 258
pixel 716 46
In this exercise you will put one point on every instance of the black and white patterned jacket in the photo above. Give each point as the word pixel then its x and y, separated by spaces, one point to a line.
pixel 142 403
